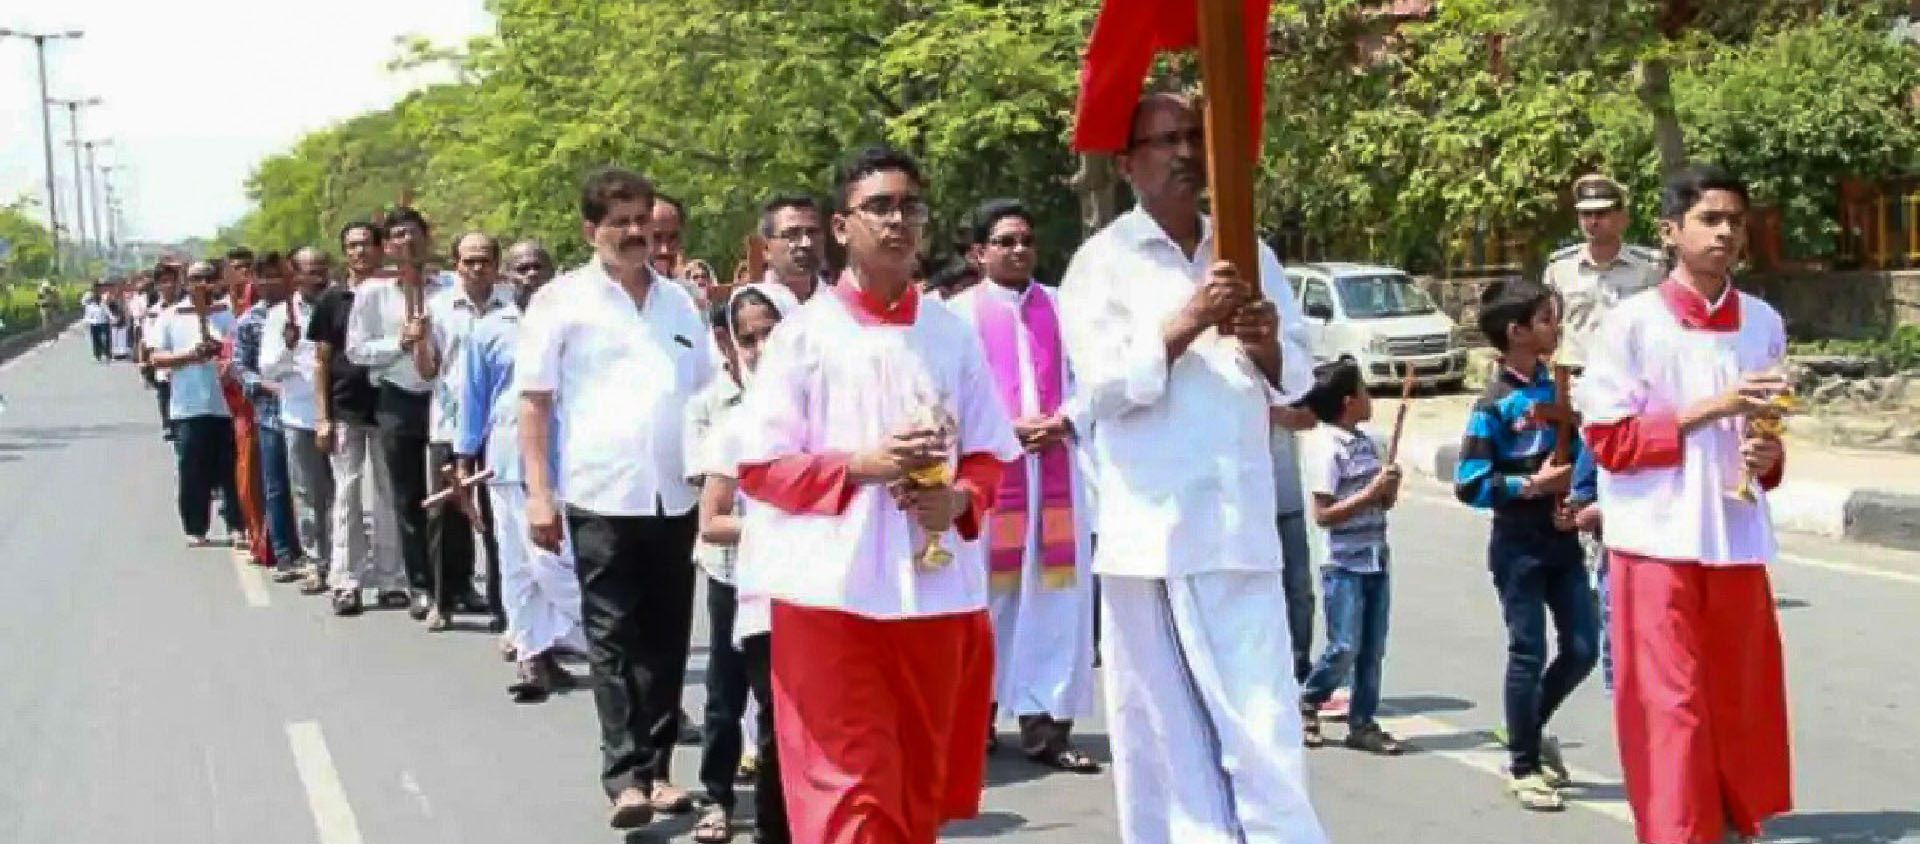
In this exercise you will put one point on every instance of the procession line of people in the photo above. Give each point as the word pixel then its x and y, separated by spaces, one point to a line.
pixel 899 496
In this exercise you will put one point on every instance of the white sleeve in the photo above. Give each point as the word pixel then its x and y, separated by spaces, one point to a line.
pixel 1296 352
pixel 1120 366
pixel 1320 464
pixel 538 353
pixel 1612 388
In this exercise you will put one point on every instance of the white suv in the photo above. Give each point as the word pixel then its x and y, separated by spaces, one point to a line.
pixel 1381 319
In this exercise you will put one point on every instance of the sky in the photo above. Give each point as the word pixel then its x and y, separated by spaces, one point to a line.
pixel 196 92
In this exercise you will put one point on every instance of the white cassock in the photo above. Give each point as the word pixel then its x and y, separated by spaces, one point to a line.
pixel 1043 628
pixel 1200 691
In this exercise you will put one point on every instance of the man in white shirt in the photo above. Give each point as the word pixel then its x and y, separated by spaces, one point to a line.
pixel 93 312
pixel 1206 743
pixel 610 353
pixel 166 277
pixel 187 344
pixel 287 358
pixel 387 322
pixel 796 244
pixel 451 314
pixel 874 437
pixel 1040 546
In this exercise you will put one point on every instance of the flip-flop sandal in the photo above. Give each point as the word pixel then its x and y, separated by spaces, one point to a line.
pixel 714 827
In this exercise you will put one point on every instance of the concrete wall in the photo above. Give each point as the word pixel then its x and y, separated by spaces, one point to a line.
pixel 1817 306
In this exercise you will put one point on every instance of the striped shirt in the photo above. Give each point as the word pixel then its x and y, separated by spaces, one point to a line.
pixel 1502 446
pixel 1340 463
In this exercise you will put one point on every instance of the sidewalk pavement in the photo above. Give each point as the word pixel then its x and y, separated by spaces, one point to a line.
pixel 1864 496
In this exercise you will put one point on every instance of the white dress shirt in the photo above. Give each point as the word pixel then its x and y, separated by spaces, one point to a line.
pixel 290 367
pixel 373 330
pixel 621 377
pixel 450 317
pixel 1181 448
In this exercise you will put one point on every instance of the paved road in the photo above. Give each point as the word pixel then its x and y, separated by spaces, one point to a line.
pixel 157 694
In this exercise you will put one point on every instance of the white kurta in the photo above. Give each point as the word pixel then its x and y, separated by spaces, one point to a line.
pixel 1648 366
pixel 1200 696
pixel 861 561
pixel 1043 636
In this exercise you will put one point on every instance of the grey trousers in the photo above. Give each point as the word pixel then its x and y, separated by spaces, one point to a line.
pixel 1296 579
pixel 362 557
pixel 311 474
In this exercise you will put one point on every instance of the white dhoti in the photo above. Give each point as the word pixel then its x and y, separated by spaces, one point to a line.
pixel 538 589
pixel 118 342
pixel 1204 711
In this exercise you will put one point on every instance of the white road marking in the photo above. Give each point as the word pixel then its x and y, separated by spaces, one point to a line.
pixel 1490 758
pixel 411 785
pixel 1835 566
pixel 326 797
pixel 253 583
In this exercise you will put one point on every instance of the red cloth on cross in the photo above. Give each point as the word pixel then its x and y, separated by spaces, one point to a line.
pixel 1126 36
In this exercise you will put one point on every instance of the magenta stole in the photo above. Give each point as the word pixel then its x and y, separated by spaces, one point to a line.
pixel 1007 547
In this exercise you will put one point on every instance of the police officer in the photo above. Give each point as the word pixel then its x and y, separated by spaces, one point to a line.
pixel 1593 276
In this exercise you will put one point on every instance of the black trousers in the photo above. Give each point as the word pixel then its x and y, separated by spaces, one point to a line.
pixel 205 453
pixel 102 336
pixel 636 601
pixel 450 534
pixel 401 418
pixel 726 696
pixel 769 800
pixel 163 390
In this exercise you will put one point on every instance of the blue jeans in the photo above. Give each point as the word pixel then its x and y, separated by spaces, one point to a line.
pixel 1356 607
pixel 276 491
pixel 1538 569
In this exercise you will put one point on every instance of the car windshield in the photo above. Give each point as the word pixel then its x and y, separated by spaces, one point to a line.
pixel 1378 296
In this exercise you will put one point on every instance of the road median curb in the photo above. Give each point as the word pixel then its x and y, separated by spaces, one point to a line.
pixel 1837 511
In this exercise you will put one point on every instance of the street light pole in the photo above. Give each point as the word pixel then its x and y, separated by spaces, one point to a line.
pixel 79 176
pixel 93 196
pixel 113 213
pixel 46 127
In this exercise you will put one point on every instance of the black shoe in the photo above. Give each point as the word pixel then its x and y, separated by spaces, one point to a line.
pixel 422 604
pixel 392 599
pixel 496 624
pixel 530 682
pixel 469 602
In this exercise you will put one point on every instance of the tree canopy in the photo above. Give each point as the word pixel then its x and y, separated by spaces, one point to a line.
pixel 1385 139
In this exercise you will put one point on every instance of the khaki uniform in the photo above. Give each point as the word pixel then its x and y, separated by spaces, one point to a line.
pixel 1589 291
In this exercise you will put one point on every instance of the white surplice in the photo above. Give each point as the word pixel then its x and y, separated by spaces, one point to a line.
pixel 1043 636
pixel 1200 695
pixel 861 561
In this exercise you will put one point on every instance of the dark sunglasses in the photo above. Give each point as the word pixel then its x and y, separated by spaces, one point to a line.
pixel 1012 241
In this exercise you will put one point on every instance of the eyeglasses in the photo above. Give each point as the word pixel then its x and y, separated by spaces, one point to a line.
pixel 1012 241
pixel 912 209
pixel 1172 138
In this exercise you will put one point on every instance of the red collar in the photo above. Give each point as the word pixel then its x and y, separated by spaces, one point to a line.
pixel 867 309
pixel 1695 312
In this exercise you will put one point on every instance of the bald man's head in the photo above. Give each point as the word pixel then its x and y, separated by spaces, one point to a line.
pixel 477 256
pixel 529 266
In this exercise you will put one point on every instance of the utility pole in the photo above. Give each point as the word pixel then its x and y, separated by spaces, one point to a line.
pixel 113 215
pixel 40 40
pixel 79 175
pixel 93 195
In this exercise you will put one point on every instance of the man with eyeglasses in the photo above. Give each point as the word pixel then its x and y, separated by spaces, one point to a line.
pixel 1041 592
pixel 187 345
pixel 609 355
pixel 878 581
pixel 451 314
pixel 795 244
pixel 365 529
pixel 1179 361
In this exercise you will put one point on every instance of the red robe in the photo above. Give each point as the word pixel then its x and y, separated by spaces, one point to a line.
pixel 246 471
pixel 1700 697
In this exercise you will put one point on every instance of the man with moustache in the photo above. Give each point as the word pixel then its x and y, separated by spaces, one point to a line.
pixel 387 322
pixel 614 351
pixel 796 244
pixel 269 438
pixel 1179 364
pixel 287 360
pixel 541 591
pixel 451 314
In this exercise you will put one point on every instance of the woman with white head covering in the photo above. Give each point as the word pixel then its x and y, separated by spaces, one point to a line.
pixel 740 623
